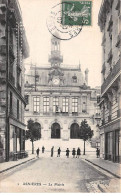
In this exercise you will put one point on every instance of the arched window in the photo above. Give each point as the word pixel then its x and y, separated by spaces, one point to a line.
pixel 74 131
pixel 55 131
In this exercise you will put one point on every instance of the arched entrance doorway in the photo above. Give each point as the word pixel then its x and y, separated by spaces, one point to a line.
pixel 37 128
pixel 55 131
pixel 74 131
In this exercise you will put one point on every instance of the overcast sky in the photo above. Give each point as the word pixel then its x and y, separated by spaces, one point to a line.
pixel 86 47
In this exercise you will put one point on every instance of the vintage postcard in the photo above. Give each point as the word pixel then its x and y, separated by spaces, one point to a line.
pixel 60 95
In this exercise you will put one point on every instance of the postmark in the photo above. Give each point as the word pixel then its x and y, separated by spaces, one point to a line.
pixel 56 27
pixel 76 12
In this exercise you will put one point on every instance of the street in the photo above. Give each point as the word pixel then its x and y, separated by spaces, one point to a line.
pixel 46 174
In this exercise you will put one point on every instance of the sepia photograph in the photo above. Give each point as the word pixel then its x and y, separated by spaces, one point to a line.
pixel 60 96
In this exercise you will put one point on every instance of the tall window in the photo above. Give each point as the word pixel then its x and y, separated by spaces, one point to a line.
pixel 46 104
pixel 17 109
pixel 55 104
pixel 74 105
pixel 36 104
pixel 65 105
pixel 84 104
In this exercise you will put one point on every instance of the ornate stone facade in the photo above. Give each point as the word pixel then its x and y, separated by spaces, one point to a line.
pixel 110 133
pixel 59 98
pixel 13 49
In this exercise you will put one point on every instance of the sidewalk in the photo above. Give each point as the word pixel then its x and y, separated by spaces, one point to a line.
pixel 11 164
pixel 109 166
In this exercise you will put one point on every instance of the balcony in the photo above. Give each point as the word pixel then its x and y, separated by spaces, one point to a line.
pixel 3 49
pixel 64 113
pixel 36 113
pixel 84 111
pixel 74 113
pixel 111 76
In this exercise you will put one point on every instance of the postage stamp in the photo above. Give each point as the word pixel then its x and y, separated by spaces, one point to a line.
pixel 77 12
pixel 55 24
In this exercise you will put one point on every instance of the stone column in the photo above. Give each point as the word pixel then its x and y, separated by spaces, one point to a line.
pixel 88 103
pixel 60 103
pixel 79 105
pixel 51 105
pixel 70 106
pixel 41 105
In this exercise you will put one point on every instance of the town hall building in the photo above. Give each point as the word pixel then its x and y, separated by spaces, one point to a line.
pixel 59 98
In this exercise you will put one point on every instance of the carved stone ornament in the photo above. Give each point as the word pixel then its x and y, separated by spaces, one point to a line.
pixel 56 72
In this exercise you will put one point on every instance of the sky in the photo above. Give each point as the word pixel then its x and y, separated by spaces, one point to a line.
pixel 84 48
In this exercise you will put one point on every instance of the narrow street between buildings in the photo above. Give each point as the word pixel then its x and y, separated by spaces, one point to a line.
pixel 54 174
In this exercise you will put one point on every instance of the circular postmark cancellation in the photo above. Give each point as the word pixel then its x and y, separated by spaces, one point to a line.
pixel 56 26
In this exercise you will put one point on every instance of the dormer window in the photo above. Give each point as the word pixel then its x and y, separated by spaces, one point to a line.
pixel 74 78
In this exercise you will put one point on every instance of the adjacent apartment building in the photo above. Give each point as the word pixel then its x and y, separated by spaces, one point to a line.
pixel 110 103
pixel 59 98
pixel 13 49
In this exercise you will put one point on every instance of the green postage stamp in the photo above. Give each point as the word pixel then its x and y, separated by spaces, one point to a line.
pixel 77 12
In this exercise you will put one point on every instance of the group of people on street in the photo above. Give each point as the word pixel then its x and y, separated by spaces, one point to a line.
pixel 37 151
pixel 59 152
pixel 73 153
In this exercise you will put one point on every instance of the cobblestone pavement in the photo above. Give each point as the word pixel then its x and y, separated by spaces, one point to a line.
pixel 48 174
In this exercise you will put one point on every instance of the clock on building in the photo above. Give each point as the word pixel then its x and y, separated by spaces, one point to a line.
pixel 56 81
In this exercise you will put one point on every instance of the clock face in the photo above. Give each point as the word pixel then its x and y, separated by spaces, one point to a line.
pixel 56 81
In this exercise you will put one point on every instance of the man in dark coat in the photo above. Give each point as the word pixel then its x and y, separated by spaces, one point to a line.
pixel 98 152
pixel 43 149
pixel 78 152
pixel 73 152
pixel 37 152
pixel 59 151
pixel 52 151
pixel 67 153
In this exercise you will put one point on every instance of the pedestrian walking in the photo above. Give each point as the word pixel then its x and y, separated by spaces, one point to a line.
pixel 52 151
pixel 43 149
pixel 37 151
pixel 98 152
pixel 78 152
pixel 59 151
pixel 73 152
pixel 67 153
